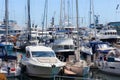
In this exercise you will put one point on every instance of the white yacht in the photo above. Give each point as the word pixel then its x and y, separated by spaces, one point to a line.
pixel 41 61
pixel 109 62
pixel 108 34
pixel 13 28
pixel 64 47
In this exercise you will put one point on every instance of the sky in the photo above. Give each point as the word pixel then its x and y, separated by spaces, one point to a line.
pixel 106 9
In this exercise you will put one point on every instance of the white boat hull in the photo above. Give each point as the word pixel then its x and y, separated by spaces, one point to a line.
pixel 42 71
pixel 12 73
pixel 109 67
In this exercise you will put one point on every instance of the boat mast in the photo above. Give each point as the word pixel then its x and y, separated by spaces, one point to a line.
pixel 44 15
pixel 68 11
pixel 90 15
pixel 29 21
pixel 94 20
pixel 6 18
pixel 60 23
pixel 77 23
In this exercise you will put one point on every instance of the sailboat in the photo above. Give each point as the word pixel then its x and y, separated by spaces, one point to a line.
pixel 27 42
pixel 41 61
pixel 8 63
pixel 8 45
pixel 75 66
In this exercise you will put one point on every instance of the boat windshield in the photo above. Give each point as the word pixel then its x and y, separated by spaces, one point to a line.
pixel 103 46
pixel 43 54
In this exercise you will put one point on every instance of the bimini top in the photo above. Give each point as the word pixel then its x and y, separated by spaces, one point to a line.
pixel 38 48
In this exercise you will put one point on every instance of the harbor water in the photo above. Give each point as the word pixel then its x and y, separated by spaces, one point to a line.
pixel 94 74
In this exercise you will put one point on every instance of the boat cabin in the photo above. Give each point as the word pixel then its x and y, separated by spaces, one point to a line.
pixel 39 51
pixel 4 55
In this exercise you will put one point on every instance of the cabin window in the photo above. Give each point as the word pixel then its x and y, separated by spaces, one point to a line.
pixel 71 47
pixel 66 47
pixel 43 54
pixel 59 47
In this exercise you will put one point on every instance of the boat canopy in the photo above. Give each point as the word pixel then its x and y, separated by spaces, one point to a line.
pixel 4 55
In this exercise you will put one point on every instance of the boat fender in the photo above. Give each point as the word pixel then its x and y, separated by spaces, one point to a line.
pixel 53 66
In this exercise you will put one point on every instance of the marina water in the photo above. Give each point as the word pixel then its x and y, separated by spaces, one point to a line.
pixel 94 74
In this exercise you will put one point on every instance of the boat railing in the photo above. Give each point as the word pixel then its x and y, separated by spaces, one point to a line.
pixel 59 77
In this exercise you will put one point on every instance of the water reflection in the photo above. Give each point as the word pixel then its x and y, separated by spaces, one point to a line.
pixel 93 75
pixel 99 75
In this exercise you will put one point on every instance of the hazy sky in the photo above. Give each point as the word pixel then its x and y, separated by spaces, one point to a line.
pixel 106 9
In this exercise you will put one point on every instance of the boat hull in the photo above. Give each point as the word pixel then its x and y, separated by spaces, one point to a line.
pixel 77 71
pixel 109 67
pixel 11 73
pixel 42 71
